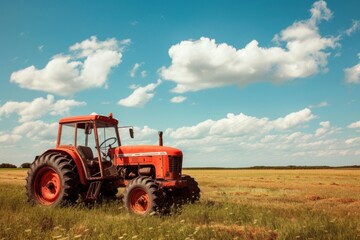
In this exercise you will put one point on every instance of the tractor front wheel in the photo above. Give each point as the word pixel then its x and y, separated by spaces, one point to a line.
pixel 191 193
pixel 52 180
pixel 143 196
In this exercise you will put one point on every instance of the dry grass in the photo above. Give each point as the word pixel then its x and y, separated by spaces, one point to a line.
pixel 337 188
pixel 235 204
pixel 12 176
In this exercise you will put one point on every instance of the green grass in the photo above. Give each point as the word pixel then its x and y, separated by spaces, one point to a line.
pixel 235 204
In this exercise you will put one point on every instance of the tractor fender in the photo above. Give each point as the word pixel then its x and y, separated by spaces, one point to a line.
pixel 75 157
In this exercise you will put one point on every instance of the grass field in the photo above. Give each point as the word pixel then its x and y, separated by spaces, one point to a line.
pixel 235 204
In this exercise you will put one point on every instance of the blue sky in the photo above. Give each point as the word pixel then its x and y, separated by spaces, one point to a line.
pixel 231 83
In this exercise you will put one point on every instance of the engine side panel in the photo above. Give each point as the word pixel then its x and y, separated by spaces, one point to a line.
pixel 160 157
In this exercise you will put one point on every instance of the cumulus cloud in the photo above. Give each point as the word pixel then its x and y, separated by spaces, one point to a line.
pixel 8 139
pixel 178 99
pixel 140 96
pixel 354 125
pixel 86 66
pixel 325 129
pixel 352 74
pixel 39 107
pixel 293 119
pixel 241 124
pixel 243 140
pixel 203 63
pixel 37 130
pixel 351 141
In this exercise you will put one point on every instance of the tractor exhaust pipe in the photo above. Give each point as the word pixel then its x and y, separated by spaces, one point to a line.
pixel 160 138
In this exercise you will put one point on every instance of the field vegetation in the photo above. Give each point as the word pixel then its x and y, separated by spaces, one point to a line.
pixel 235 204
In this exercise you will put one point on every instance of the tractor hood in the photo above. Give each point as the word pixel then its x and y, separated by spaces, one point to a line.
pixel 146 150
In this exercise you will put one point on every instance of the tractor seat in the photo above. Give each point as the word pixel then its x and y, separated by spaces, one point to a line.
pixel 85 153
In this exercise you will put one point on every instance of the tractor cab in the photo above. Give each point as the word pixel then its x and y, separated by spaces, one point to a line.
pixel 93 138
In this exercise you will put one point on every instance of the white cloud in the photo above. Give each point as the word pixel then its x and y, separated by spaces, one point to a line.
pixel 324 129
pixel 140 96
pixel 143 74
pixel 352 74
pixel 8 139
pixel 134 86
pixel 320 105
pixel 319 11
pixel 178 99
pixel 294 119
pixel 351 141
pixel 37 130
pixel 243 140
pixel 63 106
pixel 145 135
pixel 241 124
pixel 41 133
pixel 354 27
pixel 88 65
pixel 134 70
pixel 354 125
pixel 39 107
pixel 201 64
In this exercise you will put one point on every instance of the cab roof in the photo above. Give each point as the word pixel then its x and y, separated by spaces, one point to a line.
pixel 108 119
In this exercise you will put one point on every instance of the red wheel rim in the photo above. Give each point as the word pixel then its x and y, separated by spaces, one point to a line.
pixel 47 186
pixel 139 201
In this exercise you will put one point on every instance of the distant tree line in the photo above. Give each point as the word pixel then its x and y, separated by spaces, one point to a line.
pixel 9 165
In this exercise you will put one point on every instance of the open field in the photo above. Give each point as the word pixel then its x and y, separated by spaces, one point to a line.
pixel 235 204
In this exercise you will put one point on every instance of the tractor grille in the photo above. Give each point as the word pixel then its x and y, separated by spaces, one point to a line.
pixel 175 164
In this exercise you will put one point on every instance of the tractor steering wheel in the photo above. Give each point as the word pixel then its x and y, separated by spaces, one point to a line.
pixel 114 139
pixel 106 140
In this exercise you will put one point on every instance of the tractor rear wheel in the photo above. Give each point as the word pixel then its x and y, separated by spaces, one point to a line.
pixel 143 196
pixel 52 180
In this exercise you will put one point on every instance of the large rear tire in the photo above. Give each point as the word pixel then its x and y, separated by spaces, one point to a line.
pixel 142 196
pixel 52 180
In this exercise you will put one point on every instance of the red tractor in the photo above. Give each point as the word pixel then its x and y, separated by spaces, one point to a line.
pixel 89 163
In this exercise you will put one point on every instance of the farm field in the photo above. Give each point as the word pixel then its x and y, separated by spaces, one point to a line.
pixel 235 204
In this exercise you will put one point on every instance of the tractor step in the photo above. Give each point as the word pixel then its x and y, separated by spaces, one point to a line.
pixel 93 191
